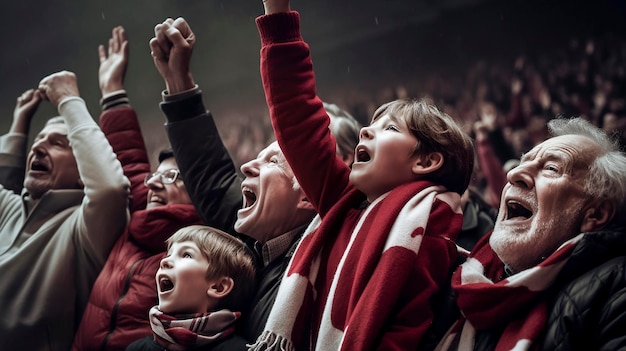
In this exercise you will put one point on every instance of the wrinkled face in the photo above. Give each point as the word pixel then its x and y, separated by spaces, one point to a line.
pixel 384 157
pixel 51 163
pixel 543 204
pixel 270 199
pixel 161 193
pixel 181 280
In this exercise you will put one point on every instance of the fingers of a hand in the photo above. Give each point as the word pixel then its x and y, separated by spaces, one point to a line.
pixel 43 83
pixel 41 95
pixel 124 48
pixel 161 38
pixel 156 51
pixel 185 30
pixel 113 44
pixel 116 33
pixel 33 98
pixel 121 33
pixel 27 95
pixel 121 40
pixel 102 53
pixel 175 37
pixel 36 95
pixel 42 90
pixel 182 26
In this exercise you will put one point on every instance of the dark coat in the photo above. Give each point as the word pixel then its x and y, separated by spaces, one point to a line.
pixel 210 172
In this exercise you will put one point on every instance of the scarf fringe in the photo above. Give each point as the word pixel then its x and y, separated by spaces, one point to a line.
pixel 271 341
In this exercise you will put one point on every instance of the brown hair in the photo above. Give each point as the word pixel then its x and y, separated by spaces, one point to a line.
pixel 436 131
pixel 227 257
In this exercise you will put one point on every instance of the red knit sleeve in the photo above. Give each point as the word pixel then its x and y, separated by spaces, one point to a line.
pixel 298 116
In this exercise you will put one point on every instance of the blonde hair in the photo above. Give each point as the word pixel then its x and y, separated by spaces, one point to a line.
pixel 227 257
pixel 436 131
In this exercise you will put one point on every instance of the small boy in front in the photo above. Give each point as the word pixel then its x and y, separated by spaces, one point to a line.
pixel 368 276
pixel 203 285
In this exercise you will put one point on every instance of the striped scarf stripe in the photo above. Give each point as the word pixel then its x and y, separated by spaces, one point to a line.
pixel 187 331
pixel 397 220
pixel 516 302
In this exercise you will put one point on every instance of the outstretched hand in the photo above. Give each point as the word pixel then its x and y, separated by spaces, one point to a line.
pixel 171 48
pixel 113 63
pixel 25 109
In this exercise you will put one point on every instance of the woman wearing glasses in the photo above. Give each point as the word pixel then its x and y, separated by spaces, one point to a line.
pixel 125 290
pixel 165 186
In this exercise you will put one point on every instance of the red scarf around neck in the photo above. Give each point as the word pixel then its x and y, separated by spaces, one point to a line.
pixel 487 300
pixel 397 219
pixel 188 331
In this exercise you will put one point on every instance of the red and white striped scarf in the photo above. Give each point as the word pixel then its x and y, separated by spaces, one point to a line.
pixel 516 303
pixel 187 331
pixel 398 219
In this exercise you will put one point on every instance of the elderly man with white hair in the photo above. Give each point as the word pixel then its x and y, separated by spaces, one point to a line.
pixel 552 274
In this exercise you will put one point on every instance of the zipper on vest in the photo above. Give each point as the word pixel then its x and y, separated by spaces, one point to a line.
pixel 116 307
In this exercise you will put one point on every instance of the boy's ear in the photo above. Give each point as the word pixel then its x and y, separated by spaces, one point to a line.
pixel 597 215
pixel 429 163
pixel 220 287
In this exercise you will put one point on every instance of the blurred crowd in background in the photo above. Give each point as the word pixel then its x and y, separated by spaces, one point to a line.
pixel 510 99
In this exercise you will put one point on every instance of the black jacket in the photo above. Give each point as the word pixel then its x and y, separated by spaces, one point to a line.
pixel 204 162
pixel 589 311
pixel 148 344
pixel 209 171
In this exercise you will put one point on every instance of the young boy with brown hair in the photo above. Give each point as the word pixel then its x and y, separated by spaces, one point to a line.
pixel 203 284
pixel 368 276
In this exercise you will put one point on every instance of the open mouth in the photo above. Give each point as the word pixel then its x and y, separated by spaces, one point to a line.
pixel 362 155
pixel 39 166
pixel 157 199
pixel 249 197
pixel 515 209
pixel 165 284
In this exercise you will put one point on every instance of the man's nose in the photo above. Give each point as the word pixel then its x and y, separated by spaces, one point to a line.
pixel 250 168
pixel 40 147
pixel 521 176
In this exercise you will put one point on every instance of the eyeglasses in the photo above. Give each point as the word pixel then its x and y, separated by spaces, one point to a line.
pixel 167 177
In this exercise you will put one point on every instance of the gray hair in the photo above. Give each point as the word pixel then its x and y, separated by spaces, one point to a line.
pixel 344 127
pixel 607 174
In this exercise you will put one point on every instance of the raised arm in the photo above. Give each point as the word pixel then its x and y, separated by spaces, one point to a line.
pixel 171 47
pixel 298 116
pixel 210 175
pixel 13 145
pixel 103 213
pixel 119 120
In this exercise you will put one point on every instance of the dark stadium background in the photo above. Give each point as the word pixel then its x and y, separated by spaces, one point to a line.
pixel 355 44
